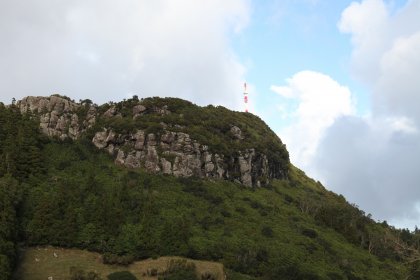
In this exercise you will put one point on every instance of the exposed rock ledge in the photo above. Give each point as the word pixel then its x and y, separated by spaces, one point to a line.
pixel 177 154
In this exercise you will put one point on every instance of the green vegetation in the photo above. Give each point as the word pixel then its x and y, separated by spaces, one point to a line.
pixel 121 275
pixel 209 125
pixel 20 159
pixel 80 274
pixel 69 194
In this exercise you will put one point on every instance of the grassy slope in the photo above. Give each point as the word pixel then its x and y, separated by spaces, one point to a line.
pixel 40 263
pixel 249 230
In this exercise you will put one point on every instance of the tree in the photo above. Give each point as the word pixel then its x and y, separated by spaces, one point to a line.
pixel 10 198
pixel 5 268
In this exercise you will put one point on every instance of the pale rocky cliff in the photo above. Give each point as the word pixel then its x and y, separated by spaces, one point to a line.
pixel 177 154
pixel 170 152
pixel 58 116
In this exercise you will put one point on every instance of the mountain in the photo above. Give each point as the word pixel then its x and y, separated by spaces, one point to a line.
pixel 164 177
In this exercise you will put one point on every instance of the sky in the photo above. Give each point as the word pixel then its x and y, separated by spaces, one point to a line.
pixel 336 80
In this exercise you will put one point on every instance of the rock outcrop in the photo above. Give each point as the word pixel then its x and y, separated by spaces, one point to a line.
pixel 236 132
pixel 58 116
pixel 169 152
pixel 177 154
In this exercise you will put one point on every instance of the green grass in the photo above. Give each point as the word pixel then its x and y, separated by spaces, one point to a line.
pixel 39 263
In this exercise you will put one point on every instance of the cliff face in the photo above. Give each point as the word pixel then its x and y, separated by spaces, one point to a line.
pixel 168 152
pixel 177 154
pixel 58 116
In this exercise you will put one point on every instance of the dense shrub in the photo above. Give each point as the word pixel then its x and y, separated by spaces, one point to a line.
pixel 201 191
pixel 309 233
pixel 79 274
pixel 267 231
pixel 121 275
pixel 109 258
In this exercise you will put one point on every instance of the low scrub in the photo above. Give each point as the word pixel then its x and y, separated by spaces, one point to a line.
pixel 121 275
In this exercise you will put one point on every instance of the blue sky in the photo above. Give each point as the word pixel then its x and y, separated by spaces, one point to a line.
pixel 336 80
pixel 339 49
pixel 285 37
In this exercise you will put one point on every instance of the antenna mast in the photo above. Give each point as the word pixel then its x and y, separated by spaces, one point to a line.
pixel 246 98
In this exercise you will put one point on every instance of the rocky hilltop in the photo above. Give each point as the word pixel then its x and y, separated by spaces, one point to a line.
pixel 58 116
pixel 169 135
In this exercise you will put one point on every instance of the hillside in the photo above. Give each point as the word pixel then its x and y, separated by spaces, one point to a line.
pixel 262 218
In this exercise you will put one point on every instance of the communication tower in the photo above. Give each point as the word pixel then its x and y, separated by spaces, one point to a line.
pixel 246 97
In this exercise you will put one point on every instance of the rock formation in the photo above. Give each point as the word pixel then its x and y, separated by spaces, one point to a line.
pixel 177 154
pixel 58 116
pixel 170 152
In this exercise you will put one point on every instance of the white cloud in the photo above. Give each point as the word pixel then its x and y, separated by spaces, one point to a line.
pixel 396 89
pixel 365 21
pixel 103 49
pixel 402 124
pixel 284 91
pixel 385 51
pixel 321 100
pixel 373 161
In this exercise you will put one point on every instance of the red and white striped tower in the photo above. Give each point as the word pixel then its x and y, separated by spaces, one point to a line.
pixel 246 97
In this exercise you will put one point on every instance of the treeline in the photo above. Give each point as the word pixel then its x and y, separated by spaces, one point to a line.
pixel 21 143
pixel 20 158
